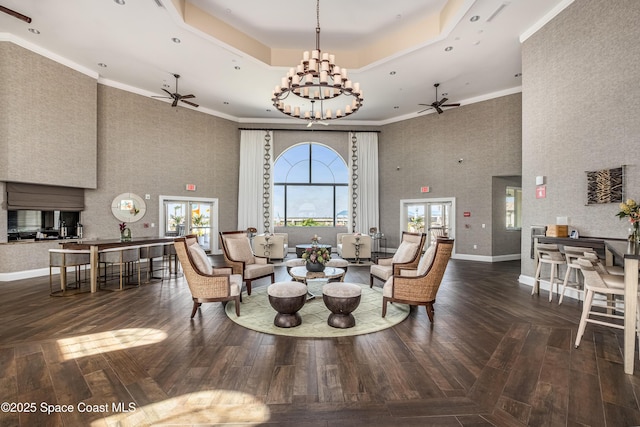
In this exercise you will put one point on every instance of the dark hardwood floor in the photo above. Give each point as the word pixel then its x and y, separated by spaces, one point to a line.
pixel 495 356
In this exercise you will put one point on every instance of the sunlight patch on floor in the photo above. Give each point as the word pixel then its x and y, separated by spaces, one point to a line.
pixel 103 342
pixel 202 407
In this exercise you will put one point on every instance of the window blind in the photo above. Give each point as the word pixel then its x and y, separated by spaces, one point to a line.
pixel 44 197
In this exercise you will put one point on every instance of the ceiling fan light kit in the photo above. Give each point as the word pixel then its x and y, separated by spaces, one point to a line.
pixel 320 87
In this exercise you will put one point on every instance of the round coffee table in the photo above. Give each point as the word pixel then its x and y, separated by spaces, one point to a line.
pixel 301 274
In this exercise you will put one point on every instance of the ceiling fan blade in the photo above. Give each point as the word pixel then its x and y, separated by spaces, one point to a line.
pixel 174 103
pixel 442 101
pixel 450 105
pixel 187 96
pixel 163 97
pixel 170 94
pixel 426 105
pixel 439 110
pixel 190 103
pixel 422 111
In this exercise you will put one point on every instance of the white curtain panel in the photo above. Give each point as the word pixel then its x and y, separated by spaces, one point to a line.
pixel 251 179
pixel 368 209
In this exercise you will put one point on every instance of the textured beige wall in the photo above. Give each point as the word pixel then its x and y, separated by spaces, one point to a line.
pixel 581 104
pixel 504 242
pixel 147 147
pixel 48 121
pixel 487 135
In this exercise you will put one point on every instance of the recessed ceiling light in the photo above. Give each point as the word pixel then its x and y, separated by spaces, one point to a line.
pixel 34 31
pixel 102 64
pixel 444 94
pixel 392 73
pixel 268 110
pixel 474 18
pixel 476 43
pixel 176 40
pixel 518 75
pixel 226 103
pixel 237 67
pixel 448 48
pixel 395 107
pixel 120 2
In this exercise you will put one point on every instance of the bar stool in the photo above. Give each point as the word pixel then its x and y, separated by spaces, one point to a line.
pixel 127 258
pixel 609 285
pixel 63 258
pixel 171 259
pixel 548 254
pixel 149 253
pixel 571 254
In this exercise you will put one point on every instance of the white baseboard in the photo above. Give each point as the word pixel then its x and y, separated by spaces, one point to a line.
pixel 487 258
pixel 544 286
pixel 27 274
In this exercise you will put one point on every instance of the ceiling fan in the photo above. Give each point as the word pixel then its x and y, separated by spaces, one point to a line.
pixel 315 120
pixel 177 97
pixel 437 105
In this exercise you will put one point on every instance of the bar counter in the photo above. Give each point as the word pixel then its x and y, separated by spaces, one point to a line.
pixel 95 246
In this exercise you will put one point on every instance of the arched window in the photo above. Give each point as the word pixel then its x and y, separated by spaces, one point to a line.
pixel 310 187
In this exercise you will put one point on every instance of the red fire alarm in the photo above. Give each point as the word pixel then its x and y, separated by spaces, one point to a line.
pixel 424 189
pixel 466 214
pixel 541 192
pixel 191 187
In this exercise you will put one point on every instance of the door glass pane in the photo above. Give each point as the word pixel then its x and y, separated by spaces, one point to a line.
pixel 201 223
pixel 415 218
pixel 175 216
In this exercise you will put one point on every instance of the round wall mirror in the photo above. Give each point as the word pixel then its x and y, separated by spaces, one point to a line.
pixel 128 207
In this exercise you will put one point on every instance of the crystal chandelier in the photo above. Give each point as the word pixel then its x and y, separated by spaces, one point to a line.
pixel 318 85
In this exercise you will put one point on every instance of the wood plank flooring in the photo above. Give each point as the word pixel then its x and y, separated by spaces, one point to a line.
pixel 495 356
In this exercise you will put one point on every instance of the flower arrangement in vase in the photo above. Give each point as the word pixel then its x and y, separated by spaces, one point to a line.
pixel 316 256
pixel 125 232
pixel 631 209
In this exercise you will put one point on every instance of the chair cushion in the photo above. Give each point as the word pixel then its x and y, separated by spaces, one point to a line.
pixel 426 260
pixel 381 271
pixel 240 250
pixel 387 289
pixel 405 252
pixel 254 271
pixel 200 259
pixel 236 284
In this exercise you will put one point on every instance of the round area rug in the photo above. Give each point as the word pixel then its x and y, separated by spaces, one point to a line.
pixel 257 314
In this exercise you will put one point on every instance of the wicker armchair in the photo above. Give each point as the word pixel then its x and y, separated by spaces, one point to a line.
pixel 207 284
pixel 419 286
pixel 406 257
pixel 238 255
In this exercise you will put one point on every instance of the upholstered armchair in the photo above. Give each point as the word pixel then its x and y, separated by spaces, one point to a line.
pixel 419 286
pixel 406 257
pixel 207 284
pixel 238 255
pixel 276 248
pixel 346 246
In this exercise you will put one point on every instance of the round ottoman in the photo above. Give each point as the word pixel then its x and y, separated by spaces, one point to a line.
pixel 296 262
pixel 338 263
pixel 287 298
pixel 341 299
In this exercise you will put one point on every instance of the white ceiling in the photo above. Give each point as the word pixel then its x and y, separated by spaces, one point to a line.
pixel 134 40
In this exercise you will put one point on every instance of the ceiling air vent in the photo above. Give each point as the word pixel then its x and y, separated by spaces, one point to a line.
pixel 496 13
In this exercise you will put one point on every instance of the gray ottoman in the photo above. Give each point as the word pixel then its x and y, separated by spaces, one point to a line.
pixel 341 299
pixel 287 298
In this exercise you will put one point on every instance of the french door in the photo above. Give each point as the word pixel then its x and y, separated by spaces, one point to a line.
pixel 180 216
pixel 431 216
